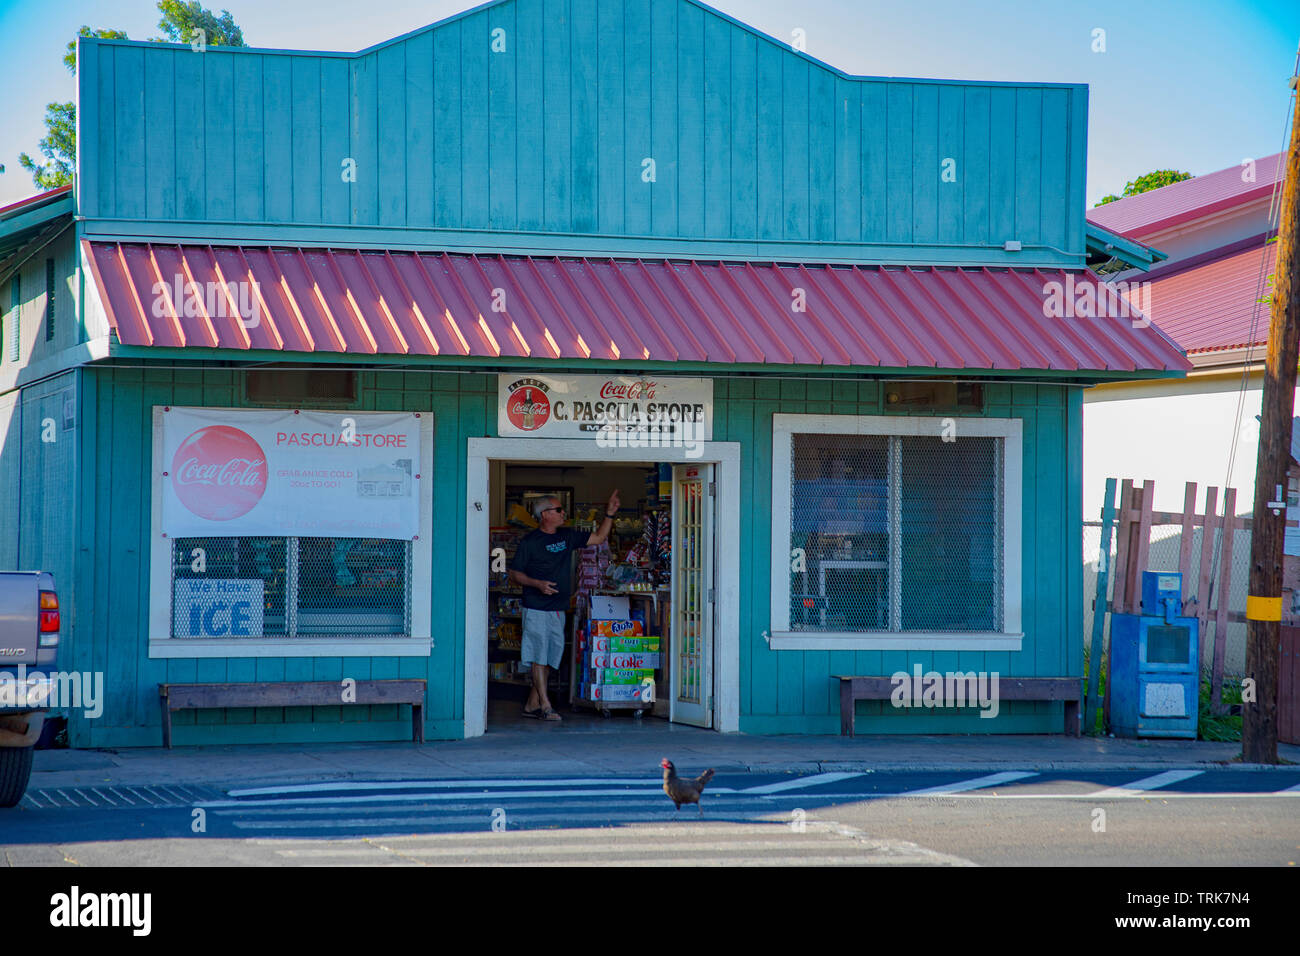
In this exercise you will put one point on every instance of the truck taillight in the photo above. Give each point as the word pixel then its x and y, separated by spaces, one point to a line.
pixel 49 612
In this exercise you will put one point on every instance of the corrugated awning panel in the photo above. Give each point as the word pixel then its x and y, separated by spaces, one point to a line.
pixel 369 302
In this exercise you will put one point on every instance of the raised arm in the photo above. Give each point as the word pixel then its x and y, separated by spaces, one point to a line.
pixel 600 534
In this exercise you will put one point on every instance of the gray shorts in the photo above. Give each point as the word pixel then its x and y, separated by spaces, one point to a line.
pixel 543 638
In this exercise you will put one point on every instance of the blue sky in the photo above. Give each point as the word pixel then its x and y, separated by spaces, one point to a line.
pixel 1196 85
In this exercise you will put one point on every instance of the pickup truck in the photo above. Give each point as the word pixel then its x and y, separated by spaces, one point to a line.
pixel 29 646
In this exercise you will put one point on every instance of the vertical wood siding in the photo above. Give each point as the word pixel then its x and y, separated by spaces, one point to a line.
pixel 785 691
pixel 789 691
pixel 114 567
pixel 749 139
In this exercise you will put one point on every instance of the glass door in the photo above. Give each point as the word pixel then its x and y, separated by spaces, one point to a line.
pixel 691 651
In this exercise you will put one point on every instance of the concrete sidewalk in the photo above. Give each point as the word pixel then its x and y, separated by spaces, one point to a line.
pixel 544 750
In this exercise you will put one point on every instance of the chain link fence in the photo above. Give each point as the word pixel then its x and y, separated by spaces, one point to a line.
pixel 1165 544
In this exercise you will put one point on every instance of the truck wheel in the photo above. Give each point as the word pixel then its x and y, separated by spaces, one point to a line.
pixel 15 770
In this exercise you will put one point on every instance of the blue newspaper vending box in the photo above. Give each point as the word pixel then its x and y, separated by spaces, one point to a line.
pixel 1154 664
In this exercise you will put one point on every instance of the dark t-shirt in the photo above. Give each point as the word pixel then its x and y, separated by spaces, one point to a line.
pixel 548 557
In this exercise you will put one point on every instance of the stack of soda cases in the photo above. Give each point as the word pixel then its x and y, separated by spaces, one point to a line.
pixel 618 662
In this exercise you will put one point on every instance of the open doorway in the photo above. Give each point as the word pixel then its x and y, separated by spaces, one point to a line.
pixel 638 625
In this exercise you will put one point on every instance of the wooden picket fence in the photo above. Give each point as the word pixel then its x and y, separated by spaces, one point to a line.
pixel 1207 576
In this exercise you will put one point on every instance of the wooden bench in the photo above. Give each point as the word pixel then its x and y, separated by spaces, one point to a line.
pixel 174 697
pixel 853 689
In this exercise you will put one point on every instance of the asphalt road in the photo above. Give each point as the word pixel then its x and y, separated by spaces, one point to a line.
pixel 1172 818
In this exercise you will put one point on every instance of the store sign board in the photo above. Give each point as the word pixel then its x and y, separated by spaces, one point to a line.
pixel 218 607
pixel 631 411
pixel 289 473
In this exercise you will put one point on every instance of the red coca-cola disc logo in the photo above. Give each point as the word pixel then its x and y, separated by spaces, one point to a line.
pixel 528 408
pixel 219 473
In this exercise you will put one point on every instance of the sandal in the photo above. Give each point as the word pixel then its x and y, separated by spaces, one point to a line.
pixel 535 714
pixel 549 714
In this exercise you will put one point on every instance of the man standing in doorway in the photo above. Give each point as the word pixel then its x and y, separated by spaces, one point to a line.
pixel 542 567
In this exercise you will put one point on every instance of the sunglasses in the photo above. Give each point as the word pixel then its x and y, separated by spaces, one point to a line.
pixel 544 510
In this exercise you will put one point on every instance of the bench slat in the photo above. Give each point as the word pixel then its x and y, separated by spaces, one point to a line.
pixel 1068 689
pixel 174 697
pixel 289 694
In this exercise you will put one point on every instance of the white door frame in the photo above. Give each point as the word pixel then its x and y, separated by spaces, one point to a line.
pixel 724 456
pixel 701 714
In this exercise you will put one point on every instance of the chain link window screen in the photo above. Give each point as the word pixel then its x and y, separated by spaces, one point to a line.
pixel 841 519
pixel 310 586
pixel 951 529
pixel 896 533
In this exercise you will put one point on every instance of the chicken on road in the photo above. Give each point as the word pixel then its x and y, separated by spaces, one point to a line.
pixel 682 790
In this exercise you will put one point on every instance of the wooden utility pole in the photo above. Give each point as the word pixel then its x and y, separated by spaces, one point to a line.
pixel 1264 603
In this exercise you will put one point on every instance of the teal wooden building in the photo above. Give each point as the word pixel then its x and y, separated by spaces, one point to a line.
pixel 869 299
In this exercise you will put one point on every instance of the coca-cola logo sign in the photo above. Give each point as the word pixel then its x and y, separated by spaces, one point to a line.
pixel 219 473
pixel 641 390
pixel 528 406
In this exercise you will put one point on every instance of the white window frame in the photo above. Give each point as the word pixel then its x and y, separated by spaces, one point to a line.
pixel 785 427
pixel 419 643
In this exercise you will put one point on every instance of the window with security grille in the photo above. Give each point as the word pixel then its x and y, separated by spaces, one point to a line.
pixel 900 531
pixel 295 586
pixel 841 514
pixel 949 524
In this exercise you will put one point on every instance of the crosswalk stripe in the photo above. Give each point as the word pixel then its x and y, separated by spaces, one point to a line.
pixel 346 785
pixel 656 843
pixel 569 819
pixel 980 795
pixel 414 797
pixel 991 780
pixel 450 805
pixel 1139 787
pixel 799 783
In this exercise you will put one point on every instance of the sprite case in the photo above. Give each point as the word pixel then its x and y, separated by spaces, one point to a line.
pixel 625 645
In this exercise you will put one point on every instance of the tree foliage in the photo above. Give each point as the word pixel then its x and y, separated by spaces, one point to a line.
pixel 180 21
pixel 179 24
pixel 1152 180
pixel 70 58
pixel 59 147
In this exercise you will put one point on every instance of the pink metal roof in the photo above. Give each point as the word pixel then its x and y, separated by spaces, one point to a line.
pixel 1149 212
pixel 368 302
pixel 1206 304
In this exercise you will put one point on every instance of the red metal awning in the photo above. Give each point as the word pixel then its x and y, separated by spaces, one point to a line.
pixel 369 302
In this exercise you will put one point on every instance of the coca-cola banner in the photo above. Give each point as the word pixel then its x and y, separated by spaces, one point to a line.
pixel 637 411
pixel 290 473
